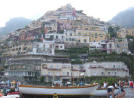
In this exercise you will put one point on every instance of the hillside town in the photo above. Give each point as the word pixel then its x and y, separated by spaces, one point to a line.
pixel 39 49
pixel 70 53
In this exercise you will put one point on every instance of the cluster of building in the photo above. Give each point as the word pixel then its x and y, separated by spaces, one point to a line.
pixel 64 28
pixel 59 68
pixel 32 49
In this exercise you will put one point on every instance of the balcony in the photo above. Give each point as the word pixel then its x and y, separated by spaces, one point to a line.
pixel 54 69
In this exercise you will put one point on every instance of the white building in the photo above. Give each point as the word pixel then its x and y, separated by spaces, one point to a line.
pixel 56 71
pixel 118 45
pixel 95 45
pixel 45 47
pixel 57 37
pixel 59 71
pixel 114 69
pixel 70 36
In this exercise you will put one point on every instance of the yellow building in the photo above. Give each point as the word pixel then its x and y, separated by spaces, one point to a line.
pixel 17 49
pixel 96 36
pixel 130 32
pixel 121 33
pixel 86 36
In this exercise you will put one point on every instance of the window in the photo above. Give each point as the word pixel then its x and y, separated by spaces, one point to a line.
pixel 86 28
pixel 57 73
pixel 25 48
pixel 85 40
pixel 51 66
pixel 64 73
pixel 109 73
pixel 49 73
pixel 102 73
pixel 67 73
pixel 57 47
pixel 110 45
pixel 115 73
pixel 57 66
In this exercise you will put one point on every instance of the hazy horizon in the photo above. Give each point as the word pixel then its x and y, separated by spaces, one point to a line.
pixel 33 9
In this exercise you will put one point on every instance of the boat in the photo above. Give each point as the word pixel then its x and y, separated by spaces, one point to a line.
pixel 65 91
pixel 90 90
pixel 12 95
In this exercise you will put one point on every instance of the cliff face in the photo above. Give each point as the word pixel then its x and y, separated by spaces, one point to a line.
pixel 124 18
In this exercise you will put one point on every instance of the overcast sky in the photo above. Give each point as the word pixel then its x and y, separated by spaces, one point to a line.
pixel 33 9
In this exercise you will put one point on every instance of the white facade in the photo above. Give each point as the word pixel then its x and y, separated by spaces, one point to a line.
pixel 70 36
pixel 117 69
pixel 118 45
pixel 61 71
pixel 55 36
pixel 46 48
pixel 57 71
pixel 95 45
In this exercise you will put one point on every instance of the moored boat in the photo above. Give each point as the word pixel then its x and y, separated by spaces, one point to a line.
pixel 41 90
pixel 90 90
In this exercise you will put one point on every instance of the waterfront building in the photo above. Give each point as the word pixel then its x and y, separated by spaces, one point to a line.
pixel 58 68
pixel 23 67
pixel 28 67
pixel 106 69
pixel 60 71
pixel 55 71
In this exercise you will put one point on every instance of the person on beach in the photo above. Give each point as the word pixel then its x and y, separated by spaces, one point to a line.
pixel 121 91
pixel 121 95
pixel 1 93
pixel 104 84
pixel 110 91
pixel 131 84
pixel 126 84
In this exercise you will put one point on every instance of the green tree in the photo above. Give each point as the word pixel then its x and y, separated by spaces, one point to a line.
pixel 113 31
pixel 42 79
pixel 131 43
